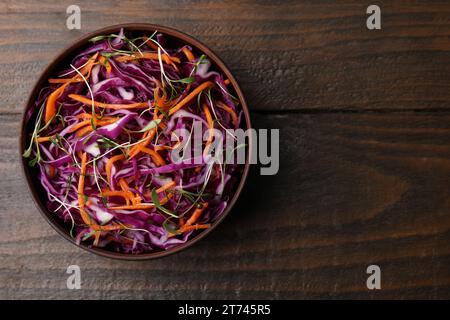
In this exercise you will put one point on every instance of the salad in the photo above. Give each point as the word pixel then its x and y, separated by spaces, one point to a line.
pixel 103 136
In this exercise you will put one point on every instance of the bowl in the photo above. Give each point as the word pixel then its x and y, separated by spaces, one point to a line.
pixel 38 193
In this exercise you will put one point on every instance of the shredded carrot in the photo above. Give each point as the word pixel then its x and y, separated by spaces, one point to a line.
pixel 83 131
pixel 105 121
pixel 110 163
pixel 44 139
pixel 88 101
pixel 210 122
pixel 110 193
pixel 85 71
pixel 96 238
pixel 230 110
pixel 136 200
pixel 150 56
pixel 142 205
pixel 105 63
pixel 197 213
pixel 161 101
pixel 51 171
pixel 111 227
pixel 150 43
pixel 88 127
pixel 198 169
pixel 134 206
pixel 79 125
pixel 83 213
pixel 163 188
pixel 146 138
pixel 190 96
pixel 227 81
pixel 86 219
pixel 88 67
pixel 64 80
pixel 50 106
pixel 122 240
pixel 189 224
pixel 124 186
pixel 168 185
pixel 154 155
pixel 185 228
pixel 194 227
pixel 188 54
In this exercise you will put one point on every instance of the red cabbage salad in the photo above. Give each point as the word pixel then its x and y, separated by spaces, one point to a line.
pixel 101 142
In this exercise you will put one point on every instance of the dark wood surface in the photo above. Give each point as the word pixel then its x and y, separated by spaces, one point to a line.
pixel 364 119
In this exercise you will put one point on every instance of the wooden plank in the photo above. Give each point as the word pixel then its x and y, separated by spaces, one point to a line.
pixel 352 190
pixel 292 55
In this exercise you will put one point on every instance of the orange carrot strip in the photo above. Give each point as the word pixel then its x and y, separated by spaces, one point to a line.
pixel 194 227
pixel 197 213
pixel 83 213
pixel 147 137
pixel 227 81
pixel 190 96
pixel 134 207
pixel 163 188
pixel 64 80
pixel 185 228
pixel 188 54
pixel 87 220
pixel 111 193
pixel 88 67
pixel 110 227
pixel 85 71
pixel 166 186
pixel 110 163
pixel 154 155
pixel 150 44
pixel 228 109
pixel 121 240
pixel 44 139
pixel 83 131
pixel 124 186
pixel 79 125
pixel 150 56
pixel 96 238
pixel 105 63
pixel 161 101
pixel 88 101
pixel 208 116
pixel 50 106
pixel 88 127
pixel 210 125
pixel 51 171
pixel 142 205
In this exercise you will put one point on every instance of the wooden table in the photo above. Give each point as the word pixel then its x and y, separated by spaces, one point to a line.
pixel 364 119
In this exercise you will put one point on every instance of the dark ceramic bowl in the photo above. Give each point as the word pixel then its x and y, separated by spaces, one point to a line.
pixel 37 191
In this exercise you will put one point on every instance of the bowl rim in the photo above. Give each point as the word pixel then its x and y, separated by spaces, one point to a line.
pixel 63 54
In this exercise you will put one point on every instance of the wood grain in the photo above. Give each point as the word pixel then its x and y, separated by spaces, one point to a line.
pixel 352 190
pixel 364 123
pixel 289 55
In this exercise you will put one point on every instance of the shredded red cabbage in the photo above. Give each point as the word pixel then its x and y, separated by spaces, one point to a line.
pixel 102 143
